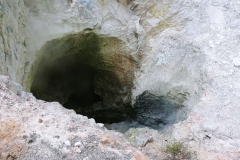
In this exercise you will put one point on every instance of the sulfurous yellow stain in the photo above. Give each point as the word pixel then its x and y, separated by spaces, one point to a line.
pixel 123 2
pixel 160 27
pixel 160 11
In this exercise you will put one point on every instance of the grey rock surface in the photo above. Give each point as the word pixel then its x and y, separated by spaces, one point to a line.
pixel 154 111
pixel 34 129
pixel 142 140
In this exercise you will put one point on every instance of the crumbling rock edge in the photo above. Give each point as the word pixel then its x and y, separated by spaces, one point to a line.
pixel 35 129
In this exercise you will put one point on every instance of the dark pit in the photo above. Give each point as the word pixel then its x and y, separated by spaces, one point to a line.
pixel 93 75
pixel 87 73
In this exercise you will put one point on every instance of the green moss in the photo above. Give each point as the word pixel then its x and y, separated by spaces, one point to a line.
pixel 177 151
pixel 174 148
pixel 90 52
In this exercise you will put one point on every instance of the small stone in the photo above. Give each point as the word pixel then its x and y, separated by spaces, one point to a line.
pixel 57 136
pixel 211 44
pixel 40 120
pixel 142 140
pixel 67 143
pixel 236 62
pixel 100 125
pixel 77 144
pixel 78 151
pixel 92 122
pixel 24 136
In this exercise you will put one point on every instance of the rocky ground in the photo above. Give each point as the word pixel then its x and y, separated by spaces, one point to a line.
pixel 34 129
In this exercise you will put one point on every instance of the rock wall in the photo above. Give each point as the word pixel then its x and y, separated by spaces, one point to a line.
pixel 187 51
pixel 191 55
pixel 14 57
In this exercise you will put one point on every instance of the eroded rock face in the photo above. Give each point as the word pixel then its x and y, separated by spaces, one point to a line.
pixel 14 58
pixel 192 57
pixel 33 129
pixel 187 51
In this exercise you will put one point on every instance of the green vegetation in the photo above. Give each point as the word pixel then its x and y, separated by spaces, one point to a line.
pixel 175 148
pixel 177 151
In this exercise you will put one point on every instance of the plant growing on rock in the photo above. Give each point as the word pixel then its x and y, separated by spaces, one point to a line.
pixel 177 151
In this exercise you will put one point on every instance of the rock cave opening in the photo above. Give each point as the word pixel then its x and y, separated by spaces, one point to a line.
pixel 67 82
pixel 71 83
pixel 94 76
pixel 87 73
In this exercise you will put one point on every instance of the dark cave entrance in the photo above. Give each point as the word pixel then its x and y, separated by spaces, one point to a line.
pixel 66 81
pixel 72 84
pixel 86 72
pixel 94 75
